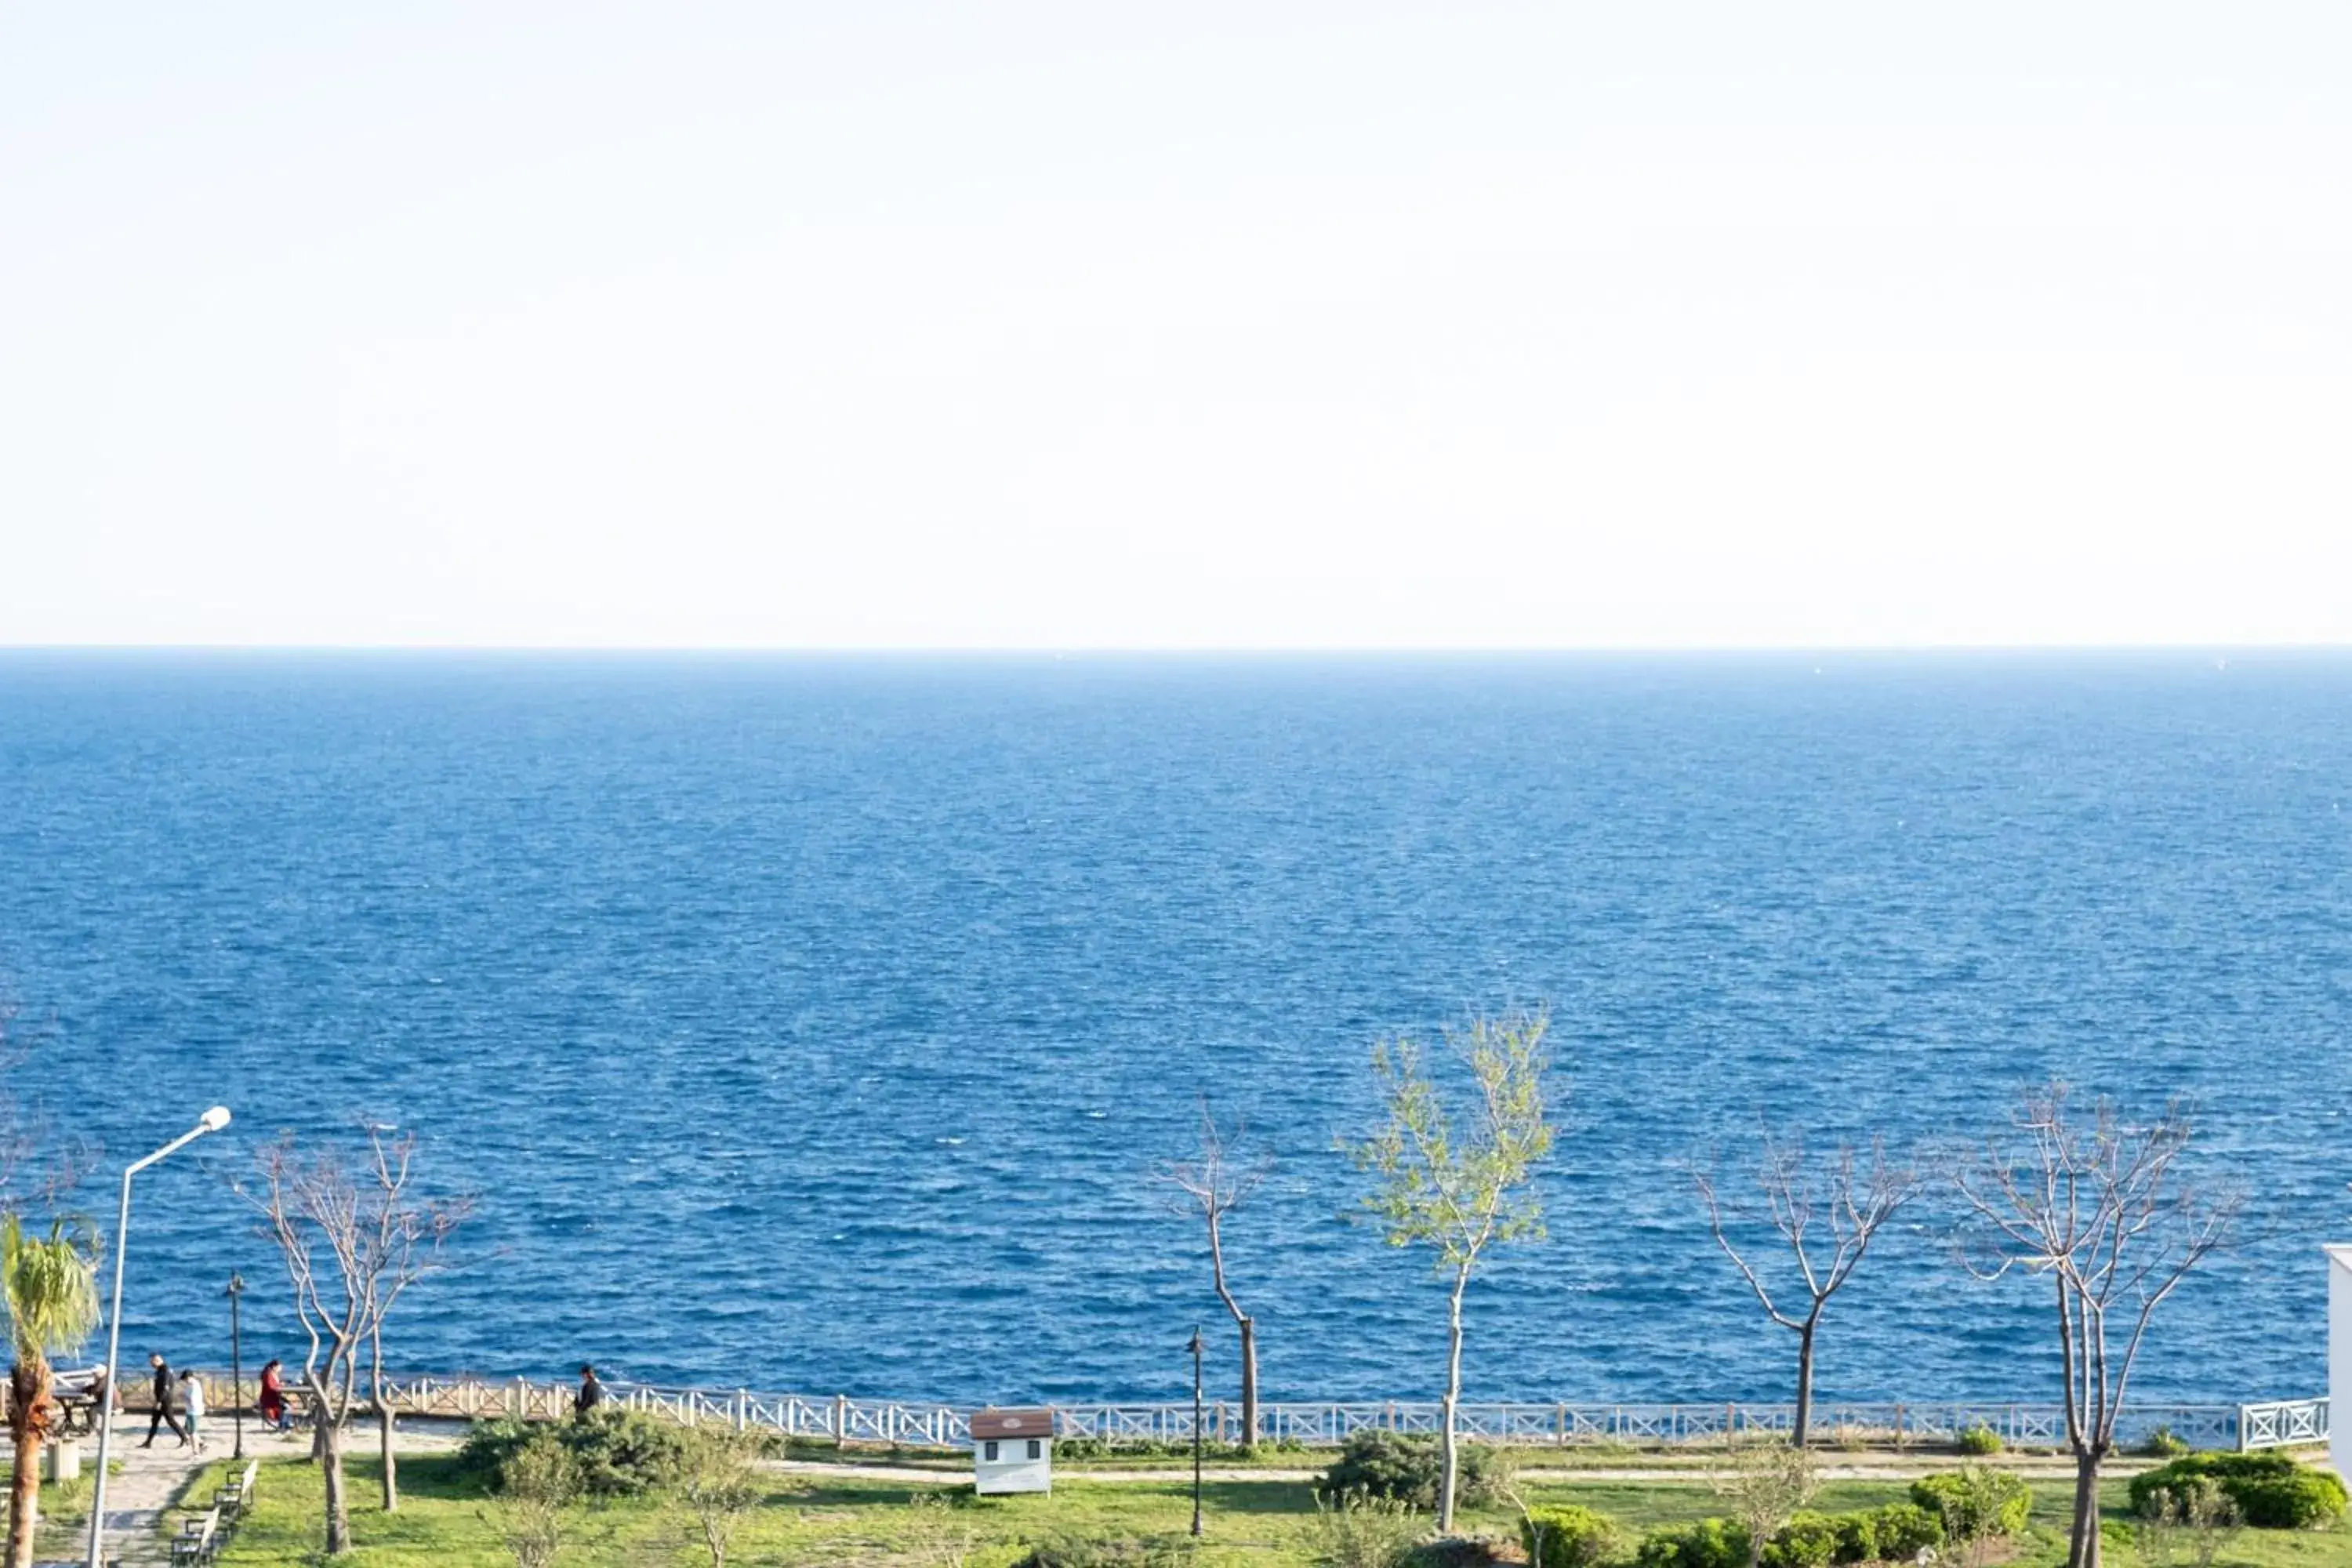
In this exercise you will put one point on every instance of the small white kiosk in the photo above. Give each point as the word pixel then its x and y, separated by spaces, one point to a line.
pixel 1011 1451
pixel 2339 1359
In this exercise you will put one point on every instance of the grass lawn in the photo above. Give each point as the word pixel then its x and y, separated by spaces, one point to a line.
pixel 65 1517
pixel 813 1520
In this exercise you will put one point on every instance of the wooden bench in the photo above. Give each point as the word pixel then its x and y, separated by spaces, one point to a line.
pixel 235 1501
pixel 199 1539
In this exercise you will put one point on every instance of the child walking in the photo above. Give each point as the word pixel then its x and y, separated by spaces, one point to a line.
pixel 192 1405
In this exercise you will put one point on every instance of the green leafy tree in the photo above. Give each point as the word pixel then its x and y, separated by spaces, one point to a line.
pixel 1458 1179
pixel 51 1285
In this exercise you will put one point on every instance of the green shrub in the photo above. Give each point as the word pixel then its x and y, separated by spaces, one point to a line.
pixel 1857 1537
pixel 1705 1543
pixel 2270 1490
pixel 1905 1529
pixel 1567 1537
pixel 1169 1448
pixel 1975 1500
pixel 1147 1552
pixel 1357 1529
pixel 1406 1466
pixel 486 1447
pixel 2164 1443
pixel 1807 1540
pixel 619 1453
pixel 1980 1441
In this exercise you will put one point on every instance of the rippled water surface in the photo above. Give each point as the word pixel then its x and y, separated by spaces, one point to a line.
pixel 812 1024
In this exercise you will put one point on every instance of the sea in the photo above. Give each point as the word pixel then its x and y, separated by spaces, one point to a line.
pixel 820 1023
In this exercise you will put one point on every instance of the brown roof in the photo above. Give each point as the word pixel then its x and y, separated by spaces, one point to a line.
pixel 994 1423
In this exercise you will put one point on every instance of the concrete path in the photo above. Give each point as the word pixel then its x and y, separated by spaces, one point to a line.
pixel 146 1488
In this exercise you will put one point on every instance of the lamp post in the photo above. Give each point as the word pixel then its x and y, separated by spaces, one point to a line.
pixel 235 1361
pixel 212 1121
pixel 1195 1348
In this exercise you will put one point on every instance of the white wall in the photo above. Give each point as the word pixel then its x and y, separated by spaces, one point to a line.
pixel 1014 1470
pixel 2339 1357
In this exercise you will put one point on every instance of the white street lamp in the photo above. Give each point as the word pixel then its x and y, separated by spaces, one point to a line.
pixel 212 1121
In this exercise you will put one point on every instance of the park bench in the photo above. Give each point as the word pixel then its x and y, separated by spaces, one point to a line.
pixel 199 1541
pixel 235 1501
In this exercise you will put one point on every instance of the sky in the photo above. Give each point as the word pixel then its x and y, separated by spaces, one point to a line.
pixel 1238 326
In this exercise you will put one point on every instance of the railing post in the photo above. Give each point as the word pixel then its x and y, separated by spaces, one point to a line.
pixel 841 1418
pixel 2241 1429
pixel 742 1409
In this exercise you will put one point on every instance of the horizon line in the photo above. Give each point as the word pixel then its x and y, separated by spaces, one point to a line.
pixel 1188 651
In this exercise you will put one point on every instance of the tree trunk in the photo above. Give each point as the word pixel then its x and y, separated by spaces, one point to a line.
pixel 1804 1423
pixel 339 1507
pixel 1249 1383
pixel 28 1399
pixel 2082 1545
pixel 391 1474
pixel 1448 1447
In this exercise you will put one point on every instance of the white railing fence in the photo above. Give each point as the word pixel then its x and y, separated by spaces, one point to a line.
pixel 1326 1425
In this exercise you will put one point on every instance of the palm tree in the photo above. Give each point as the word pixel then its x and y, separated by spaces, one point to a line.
pixel 52 1290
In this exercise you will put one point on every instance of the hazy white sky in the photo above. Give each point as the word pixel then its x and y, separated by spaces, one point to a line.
pixel 1247 325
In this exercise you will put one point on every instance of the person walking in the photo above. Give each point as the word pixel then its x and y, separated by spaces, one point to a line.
pixel 163 1391
pixel 591 1394
pixel 192 1404
pixel 271 1405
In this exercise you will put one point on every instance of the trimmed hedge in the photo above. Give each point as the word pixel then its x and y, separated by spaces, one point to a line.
pixel 1407 1466
pixel 1569 1537
pixel 2270 1490
pixel 1974 1501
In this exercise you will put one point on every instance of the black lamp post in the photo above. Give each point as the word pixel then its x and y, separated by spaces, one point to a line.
pixel 1195 1348
pixel 236 1360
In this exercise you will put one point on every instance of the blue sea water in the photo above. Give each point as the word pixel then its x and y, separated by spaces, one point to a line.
pixel 813 1023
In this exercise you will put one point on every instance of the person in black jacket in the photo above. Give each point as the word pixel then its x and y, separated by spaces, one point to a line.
pixel 591 1394
pixel 163 1390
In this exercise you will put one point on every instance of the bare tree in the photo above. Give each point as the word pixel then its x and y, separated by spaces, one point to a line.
pixel 354 1236
pixel 1765 1484
pixel 719 1488
pixel 1825 1216
pixel 1460 1182
pixel 2101 1211
pixel 1213 1184
pixel 535 1489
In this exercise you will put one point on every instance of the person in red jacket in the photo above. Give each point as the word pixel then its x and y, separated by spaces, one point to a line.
pixel 272 1403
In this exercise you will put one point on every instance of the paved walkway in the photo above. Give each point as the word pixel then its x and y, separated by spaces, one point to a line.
pixel 141 1492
